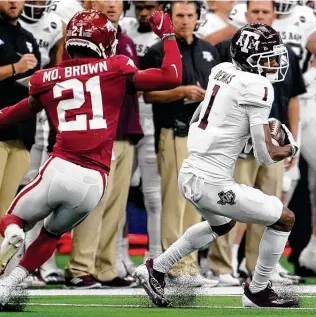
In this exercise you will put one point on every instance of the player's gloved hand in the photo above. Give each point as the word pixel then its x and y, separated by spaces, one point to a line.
pixel 161 24
pixel 289 140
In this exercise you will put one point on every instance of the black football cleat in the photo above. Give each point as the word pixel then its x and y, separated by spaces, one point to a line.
pixel 153 283
pixel 266 298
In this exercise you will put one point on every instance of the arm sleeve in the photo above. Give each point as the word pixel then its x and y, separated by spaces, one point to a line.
pixel 259 145
pixel 36 85
pixel 258 116
pixel 169 76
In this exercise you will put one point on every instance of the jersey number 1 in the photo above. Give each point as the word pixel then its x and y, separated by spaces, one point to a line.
pixel 204 122
pixel 80 123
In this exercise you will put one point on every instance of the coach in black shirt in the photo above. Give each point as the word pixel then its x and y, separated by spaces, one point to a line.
pixel 19 58
pixel 269 179
pixel 172 111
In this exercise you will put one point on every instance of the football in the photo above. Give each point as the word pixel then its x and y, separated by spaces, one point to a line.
pixel 277 133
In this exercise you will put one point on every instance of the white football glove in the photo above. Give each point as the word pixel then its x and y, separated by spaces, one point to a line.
pixel 290 139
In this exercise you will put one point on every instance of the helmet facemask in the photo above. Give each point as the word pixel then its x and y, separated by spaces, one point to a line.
pixel 30 13
pixel 284 6
pixel 272 64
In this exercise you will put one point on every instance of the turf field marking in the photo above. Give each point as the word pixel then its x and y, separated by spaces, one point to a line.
pixel 216 291
pixel 148 306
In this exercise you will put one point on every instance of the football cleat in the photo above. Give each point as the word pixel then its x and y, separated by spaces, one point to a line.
pixel 307 259
pixel 286 274
pixel 155 288
pixel 5 292
pixel 266 298
pixel 14 238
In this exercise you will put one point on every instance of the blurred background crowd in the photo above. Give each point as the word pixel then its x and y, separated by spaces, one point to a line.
pixel 142 195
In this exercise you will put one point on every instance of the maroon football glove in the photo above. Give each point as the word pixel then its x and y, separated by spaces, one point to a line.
pixel 161 24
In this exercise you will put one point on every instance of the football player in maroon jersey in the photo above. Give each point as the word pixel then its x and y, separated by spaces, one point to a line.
pixel 82 97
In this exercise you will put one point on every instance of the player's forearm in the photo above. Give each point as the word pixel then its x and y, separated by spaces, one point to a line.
pixel 170 74
pixel 6 71
pixel 279 153
pixel 265 152
pixel 17 113
pixel 294 116
pixel 164 96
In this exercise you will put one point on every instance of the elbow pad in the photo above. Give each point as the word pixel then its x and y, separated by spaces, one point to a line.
pixel 259 146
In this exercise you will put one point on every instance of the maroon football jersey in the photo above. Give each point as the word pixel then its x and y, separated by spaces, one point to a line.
pixel 83 97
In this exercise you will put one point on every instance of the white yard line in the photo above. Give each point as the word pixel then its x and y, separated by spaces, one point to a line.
pixel 216 291
pixel 147 306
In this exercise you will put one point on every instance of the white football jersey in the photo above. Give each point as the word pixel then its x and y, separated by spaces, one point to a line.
pixel 66 9
pixel 212 23
pixel 295 30
pixel 219 132
pixel 47 32
pixel 142 41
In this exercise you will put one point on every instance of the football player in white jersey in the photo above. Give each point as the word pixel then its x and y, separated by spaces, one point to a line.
pixel 143 37
pixel 66 9
pixel 297 26
pixel 216 17
pixel 308 119
pixel 237 104
pixel 47 29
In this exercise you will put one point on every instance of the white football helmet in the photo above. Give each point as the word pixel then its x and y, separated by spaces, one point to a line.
pixel 34 12
pixel 284 6
pixel 309 3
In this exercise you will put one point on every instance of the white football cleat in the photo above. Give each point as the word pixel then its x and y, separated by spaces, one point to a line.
pixel 13 241
pixel 276 278
pixel 5 292
pixel 286 274
pixel 228 280
pixel 307 259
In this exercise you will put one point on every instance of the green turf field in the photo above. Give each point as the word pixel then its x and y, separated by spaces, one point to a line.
pixel 216 302
pixel 138 306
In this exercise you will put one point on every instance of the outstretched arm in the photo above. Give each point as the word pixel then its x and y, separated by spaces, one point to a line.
pixel 170 74
pixel 21 111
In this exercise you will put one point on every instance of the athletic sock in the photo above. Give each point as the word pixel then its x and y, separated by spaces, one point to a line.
pixel 193 239
pixel 39 251
pixel 270 250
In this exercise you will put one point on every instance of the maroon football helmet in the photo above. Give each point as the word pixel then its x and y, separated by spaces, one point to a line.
pixel 93 30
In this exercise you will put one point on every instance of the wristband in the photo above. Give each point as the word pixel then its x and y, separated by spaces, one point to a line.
pixel 294 149
pixel 13 70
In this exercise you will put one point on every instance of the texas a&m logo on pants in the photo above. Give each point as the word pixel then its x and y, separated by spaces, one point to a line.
pixel 227 198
